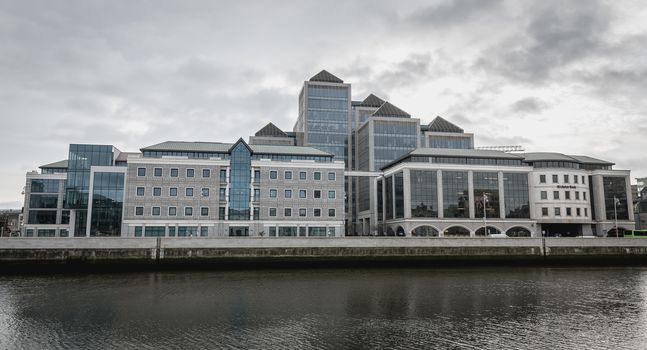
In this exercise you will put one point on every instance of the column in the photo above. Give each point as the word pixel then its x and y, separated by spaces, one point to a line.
pixel 439 191
pixel 406 192
pixel 629 199
pixel 470 190
pixel 501 196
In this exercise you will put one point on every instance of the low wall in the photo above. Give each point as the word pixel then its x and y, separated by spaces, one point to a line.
pixel 171 251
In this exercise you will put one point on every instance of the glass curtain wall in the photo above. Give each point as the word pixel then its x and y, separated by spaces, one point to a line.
pixel 392 140
pixel 388 197
pixel 107 204
pixel 455 194
pixel 515 188
pixel 615 187
pixel 399 195
pixel 424 194
pixel 327 119
pixel 240 178
pixel 486 183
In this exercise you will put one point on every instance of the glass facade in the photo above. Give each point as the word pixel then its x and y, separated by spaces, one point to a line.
pixel 392 140
pixel 450 142
pixel 464 160
pixel 486 183
pixel 388 197
pixel 515 188
pixel 327 119
pixel 107 204
pixel 455 194
pixel 399 195
pixel 424 194
pixel 240 180
pixel 44 186
pixel 615 187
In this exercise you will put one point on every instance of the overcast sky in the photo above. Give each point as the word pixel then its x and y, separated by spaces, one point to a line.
pixel 565 76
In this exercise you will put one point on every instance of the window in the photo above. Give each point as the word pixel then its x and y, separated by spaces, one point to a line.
pixel 577 195
pixel 583 182
pixel 273 174
pixel 331 194
pixel 272 211
pixel 223 175
pixel 172 211
pixel 288 193
pixel 555 179
pixel 567 194
pixel 555 194
pixel 188 192
pixel 205 192
pixel 566 179
pixel 288 175
pixel 206 173
pixel 204 211
pixel 568 211
pixel 174 172
pixel 141 171
pixel 578 212
pixel 204 231
pixel 172 191
pixel 287 212
pixel 317 193
pixel 303 175
pixel 221 213
pixel 584 195
pixel 190 172
pixel 223 194
pixel 302 212
pixel 156 211
pixel 171 231
pixel 302 193
pixel 558 212
pixel 331 176
pixel 158 172
pixel 586 211
pixel 575 178
pixel 542 179
pixel 257 194
pixel 316 212
pixel 188 211
pixel 544 211
pixel 256 215
pixel 272 193
pixel 138 231
pixel 139 211
pixel 331 213
pixel 317 175
pixel 157 191
pixel 140 191
pixel 544 195
pixel 257 176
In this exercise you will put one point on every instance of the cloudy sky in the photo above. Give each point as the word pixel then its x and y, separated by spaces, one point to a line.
pixel 566 76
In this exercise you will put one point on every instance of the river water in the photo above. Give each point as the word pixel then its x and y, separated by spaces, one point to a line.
pixel 413 308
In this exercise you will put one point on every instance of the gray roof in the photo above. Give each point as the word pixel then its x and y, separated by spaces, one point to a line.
pixel 61 164
pixel 590 160
pixel 439 124
pixel 372 101
pixel 547 156
pixel 389 110
pixel 325 76
pixel 216 147
pixel 463 153
pixel 123 156
pixel 271 130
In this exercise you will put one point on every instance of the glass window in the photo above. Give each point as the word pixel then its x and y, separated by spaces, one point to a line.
pixel 257 176
pixel 302 193
pixel 567 194
pixel 575 178
pixel 223 175
pixel 331 176
pixel 272 193
pixel 568 211
pixel 272 212
pixel 555 194
pixel 139 211
pixel 158 172
pixel 140 191
pixel 273 174
pixel 204 211
pixel 43 201
pixel 317 175
pixel 544 211
pixel 317 193
pixel 577 194
pixel 331 213
pixel 455 194
pixel 331 194
pixel 221 213
pixel 566 179
pixel 615 198
pixel 257 194
pixel 578 212
pixel 172 211
pixel 206 173
pixel 288 175
pixel 188 192
pixel 486 193
pixel 156 211
pixel 204 231
pixel 157 191
pixel 586 211
pixel 542 179
pixel 544 195
pixel 138 231
pixel 584 195
pixel 188 211
pixel 44 186
pixel 558 212
pixel 302 212
pixel 288 193
pixel 302 175
pixel 424 189
pixel 287 212
pixel 257 213
pixel 171 231
pixel 174 173
pixel 583 182
pixel 317 212
pixel 172 191
pixel 141 171
pixel 223 194
pixel 205 192
pixel 190 172
pixel 555 179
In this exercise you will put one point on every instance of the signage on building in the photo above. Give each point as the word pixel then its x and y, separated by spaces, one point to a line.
pixel 566 186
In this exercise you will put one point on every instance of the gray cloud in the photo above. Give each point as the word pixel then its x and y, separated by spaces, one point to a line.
pixel 529 105
pixel 451 12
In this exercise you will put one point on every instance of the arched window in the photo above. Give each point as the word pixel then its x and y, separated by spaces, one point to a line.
pixel 490 231
pixel 518 232
pixel 457 231
pixel 424 231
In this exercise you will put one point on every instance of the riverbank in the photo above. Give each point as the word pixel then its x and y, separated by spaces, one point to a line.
pixel 295 252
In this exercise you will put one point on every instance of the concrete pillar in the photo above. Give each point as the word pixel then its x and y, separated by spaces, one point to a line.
pixel 598 197
pixel 406 189
pixel 629 199
pixel 501 195
pixel 532 199
pixel 470 191
pixel 439 191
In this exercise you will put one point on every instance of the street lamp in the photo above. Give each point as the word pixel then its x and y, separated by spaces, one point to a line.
pixel 485 199
pixel 615 212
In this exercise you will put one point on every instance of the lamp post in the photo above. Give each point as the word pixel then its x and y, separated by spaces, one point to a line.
pixel 485 198
pixel 615 212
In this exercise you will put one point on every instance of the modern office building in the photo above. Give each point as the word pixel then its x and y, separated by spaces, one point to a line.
pixel 347 168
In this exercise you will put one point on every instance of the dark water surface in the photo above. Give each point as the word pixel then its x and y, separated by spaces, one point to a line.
pixel 462 308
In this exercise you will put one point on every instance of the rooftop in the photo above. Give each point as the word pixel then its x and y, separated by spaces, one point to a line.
pixel 61 164
pixel 217 147
pixel 271 130
pixel 389 110
pixel 326 77
pixel 440 124
pixel 372 101
pixel 455 153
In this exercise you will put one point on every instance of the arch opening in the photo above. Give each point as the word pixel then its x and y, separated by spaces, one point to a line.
pixel 456 231
pixel 425 231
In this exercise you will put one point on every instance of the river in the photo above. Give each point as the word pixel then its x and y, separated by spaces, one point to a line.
pixel 412 308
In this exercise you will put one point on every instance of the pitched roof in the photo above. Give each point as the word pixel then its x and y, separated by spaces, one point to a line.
pixel 271 130
pixel 389 110
pixel 372 101
pixel 59 165
pixel 455 153
pixel 327 77
pixel 590 160
pixel 439 124
pixel 216 147
pixel 547 156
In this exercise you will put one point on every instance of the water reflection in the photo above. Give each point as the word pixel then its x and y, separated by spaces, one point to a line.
pixel 484 308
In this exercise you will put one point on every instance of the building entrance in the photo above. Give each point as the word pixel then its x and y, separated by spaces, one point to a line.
pixel 561 230
pixel 236 231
